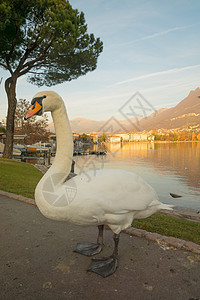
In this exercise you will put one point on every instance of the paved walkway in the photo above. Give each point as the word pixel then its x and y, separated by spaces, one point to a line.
pixel 37 262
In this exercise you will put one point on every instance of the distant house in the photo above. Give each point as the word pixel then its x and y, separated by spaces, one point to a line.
pixel 75 136
pixel 138 137
pixel 131 136
pixel 18 138
pixel 115 139
pixel 151 137
pixel 94 137
pixel 124 136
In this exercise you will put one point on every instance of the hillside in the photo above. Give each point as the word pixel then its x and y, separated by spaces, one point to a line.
pixel 82 125
pixel 185 115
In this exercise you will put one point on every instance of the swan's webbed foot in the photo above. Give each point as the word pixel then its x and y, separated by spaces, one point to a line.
pixel 104 266
pixel 88 249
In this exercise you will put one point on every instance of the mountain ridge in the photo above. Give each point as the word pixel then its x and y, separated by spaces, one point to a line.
pixel 184 115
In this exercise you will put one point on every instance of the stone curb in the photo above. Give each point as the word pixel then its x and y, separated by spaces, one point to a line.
pixel 152 236
pixel 18 197
pixel 164 240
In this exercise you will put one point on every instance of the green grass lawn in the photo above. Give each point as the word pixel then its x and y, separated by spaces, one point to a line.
pixel 22 178
pixel 170 226
pixel 18 177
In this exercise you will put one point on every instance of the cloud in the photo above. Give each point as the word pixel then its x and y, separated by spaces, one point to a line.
pixel 155 35
pixel 151 36
pixel 171 71
pixel 184 83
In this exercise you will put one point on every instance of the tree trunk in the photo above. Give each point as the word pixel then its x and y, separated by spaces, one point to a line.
pixel 10 87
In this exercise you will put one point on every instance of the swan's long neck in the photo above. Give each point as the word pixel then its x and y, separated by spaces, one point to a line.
pixel 50 190
pixel 64 151
pixel 62 163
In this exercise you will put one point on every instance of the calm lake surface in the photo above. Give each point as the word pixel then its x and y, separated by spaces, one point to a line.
pixel 168 167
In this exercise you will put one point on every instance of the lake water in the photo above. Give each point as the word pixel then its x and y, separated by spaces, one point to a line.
pixel 167 167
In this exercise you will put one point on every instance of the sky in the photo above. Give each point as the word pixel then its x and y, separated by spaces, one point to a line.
pixel 150 46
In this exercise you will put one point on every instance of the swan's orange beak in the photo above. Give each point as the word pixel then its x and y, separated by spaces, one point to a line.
pixel 35 109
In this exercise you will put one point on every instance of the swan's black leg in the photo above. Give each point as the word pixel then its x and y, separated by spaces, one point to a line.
pixel 106 266
pixel 90 249
pixel 100 235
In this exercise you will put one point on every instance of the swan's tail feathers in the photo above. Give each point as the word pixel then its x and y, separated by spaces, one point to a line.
pixel 166 206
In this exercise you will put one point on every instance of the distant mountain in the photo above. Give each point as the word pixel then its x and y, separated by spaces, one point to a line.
pixel 82 125
pixel 184 115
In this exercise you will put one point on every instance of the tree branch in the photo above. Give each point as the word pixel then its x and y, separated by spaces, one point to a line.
pixel 3 65
pixel 29 68
pixel 31 64
pixel 36 73
pixel 25 56
pixel 43 63
pixel 25 71
pixel 39 57
pixel 28 51
pixel 33 35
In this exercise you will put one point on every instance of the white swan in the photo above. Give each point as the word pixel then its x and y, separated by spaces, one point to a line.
pixel 108 197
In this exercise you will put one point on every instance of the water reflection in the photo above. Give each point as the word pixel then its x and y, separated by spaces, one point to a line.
pixel 168 167
pixel 183 159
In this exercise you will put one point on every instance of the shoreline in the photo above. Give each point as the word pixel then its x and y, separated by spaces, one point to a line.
pixel 153 142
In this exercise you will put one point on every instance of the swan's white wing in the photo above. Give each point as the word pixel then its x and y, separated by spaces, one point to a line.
pixel 114 191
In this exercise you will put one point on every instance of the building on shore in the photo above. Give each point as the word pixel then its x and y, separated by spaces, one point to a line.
pixel 94 137
pixel 124 136
pixel 17 138
pixel 114 139
pixel 131 137
pixel 75 136
pixel 138 137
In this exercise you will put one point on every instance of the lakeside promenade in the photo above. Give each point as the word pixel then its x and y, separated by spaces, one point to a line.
pixel 38 262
